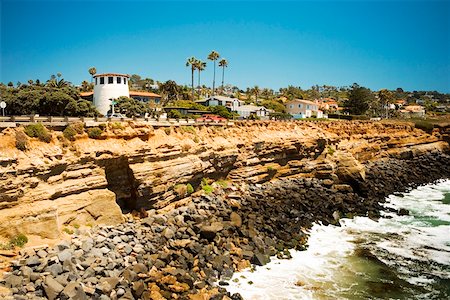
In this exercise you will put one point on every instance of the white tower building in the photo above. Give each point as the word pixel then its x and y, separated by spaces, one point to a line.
pixel 107 87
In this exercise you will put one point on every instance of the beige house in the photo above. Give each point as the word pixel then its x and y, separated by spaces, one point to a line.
pixel 413 111
pixel 300 109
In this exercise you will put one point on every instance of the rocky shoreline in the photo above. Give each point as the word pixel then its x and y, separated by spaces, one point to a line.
pixel 190 249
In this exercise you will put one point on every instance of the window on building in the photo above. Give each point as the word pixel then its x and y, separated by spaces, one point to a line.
pixel 291 106
pixel 119 79
pixel 102 80
pixel 299 106
pixel 95 80
pixel 307 106
pixel 124 81
pixel 110 80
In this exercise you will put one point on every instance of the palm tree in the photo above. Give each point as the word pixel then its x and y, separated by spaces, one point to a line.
pixel 214 56
pixel 192 61
pixel 200 66
pixel 92 71
pixel 223 63
pixel 255 91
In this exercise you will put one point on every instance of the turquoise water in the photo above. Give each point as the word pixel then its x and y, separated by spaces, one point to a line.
pixel 395 257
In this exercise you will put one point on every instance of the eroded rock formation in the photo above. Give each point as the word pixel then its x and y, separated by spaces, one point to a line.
pixel 90 181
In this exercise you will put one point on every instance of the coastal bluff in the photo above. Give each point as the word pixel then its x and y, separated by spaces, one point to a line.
pixel 137 167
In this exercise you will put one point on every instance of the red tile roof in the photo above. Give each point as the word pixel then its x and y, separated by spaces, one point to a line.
pixel 111 74
pixel 144 94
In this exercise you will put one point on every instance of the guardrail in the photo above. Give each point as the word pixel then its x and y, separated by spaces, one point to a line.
pixel 14 121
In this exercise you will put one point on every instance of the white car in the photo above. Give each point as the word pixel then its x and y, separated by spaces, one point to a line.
pixel 115 116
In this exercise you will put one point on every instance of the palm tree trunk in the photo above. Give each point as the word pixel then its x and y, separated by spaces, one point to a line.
pixel 192 78
pixel 200 90
pixel 223 74
pixel 214 78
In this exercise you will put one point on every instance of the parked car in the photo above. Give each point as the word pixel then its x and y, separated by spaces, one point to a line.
pixel 115 116
pixel 211 118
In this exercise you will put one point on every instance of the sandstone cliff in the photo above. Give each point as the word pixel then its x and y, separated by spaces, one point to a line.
pixel 90 181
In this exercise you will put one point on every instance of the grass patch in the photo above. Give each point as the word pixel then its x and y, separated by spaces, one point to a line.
pixel 21 141
pixel 39 131
pixel 95 132
pixel 206 187
pixel 116 125
pixel 17 241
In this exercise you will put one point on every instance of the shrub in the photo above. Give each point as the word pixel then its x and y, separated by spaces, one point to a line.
pixel 180 189
pixel 189 188
pixel 424 125
pixel 39 131
pixel 70 133
pixel 116 125
pixel 208 189
pixel 167 130
pixel 196 140
pixel 78 127
pixel 21 141
pixel 94 133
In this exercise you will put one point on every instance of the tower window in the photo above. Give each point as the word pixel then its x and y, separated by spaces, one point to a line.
pixel 124 81
pixel 95 80
pixel 102 80
pixel 119 79
pixel 110 80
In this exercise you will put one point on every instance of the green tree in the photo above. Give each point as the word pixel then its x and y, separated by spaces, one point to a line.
pixel 255 91
pixel 359 100
pixel 224 64
pixel 213 56
pixel 386 97
pixel 131 107
pixel 169 90
pixel 221 111
pixel 192 62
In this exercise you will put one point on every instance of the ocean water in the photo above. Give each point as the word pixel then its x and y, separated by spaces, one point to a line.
pixel 395 257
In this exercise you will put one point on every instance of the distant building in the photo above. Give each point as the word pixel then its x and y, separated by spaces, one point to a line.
pixel 413 111
pixel 245 111
pixel 109 86
pixel 300 109
pixel 327 104
pixel 230 103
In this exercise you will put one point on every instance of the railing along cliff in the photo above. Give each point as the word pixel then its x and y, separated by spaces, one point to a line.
pixel 14 121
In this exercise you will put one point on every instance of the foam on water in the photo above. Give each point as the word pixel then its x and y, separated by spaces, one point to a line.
pixel 401 257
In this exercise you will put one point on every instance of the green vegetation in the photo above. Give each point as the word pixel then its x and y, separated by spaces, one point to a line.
pixel 174 114
pixel 94 133
pixel 21 141
pixel 131 107
pixel 68 230
pixel 206 187
pixel 76 226
pixel 167 130
pixel 222 111
pixel 424 125
pixel 39 131
pixel 359 100
pixel 70 133
pixel 17 241
pixel 331 150
pixel 189 188
pixel 223 183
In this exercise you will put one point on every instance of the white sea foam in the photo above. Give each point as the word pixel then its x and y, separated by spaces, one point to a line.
pixel 415 246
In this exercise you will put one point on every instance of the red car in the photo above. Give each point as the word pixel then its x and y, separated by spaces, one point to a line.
pixel 211 118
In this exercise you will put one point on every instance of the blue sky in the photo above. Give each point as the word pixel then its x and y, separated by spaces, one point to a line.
pixel 378 44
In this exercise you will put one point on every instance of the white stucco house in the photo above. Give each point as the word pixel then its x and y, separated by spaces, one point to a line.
pixel 246 111
pixel 110 86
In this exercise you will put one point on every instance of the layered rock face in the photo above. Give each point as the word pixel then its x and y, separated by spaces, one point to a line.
pixel 91 181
